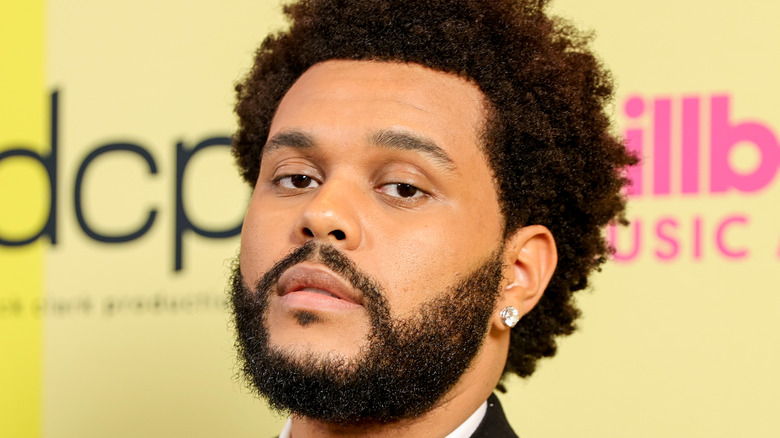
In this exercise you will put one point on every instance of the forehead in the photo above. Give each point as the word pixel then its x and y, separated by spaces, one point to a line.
pixel 339 99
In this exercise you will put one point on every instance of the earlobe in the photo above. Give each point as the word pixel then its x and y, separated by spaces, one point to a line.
pixel 532 257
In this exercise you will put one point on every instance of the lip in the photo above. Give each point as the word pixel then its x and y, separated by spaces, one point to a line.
pixel 316 287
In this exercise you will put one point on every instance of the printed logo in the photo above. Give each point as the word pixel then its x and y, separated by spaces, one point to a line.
pixel 689 154
pixel 49 162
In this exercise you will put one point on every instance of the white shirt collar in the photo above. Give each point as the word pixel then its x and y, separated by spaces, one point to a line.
pixel 465 430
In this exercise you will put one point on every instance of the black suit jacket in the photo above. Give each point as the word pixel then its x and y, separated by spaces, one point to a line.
pixel 494 425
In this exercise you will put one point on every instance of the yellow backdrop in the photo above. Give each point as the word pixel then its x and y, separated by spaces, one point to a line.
pixel 118 327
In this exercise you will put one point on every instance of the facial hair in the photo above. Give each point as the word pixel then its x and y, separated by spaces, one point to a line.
pixel 407 365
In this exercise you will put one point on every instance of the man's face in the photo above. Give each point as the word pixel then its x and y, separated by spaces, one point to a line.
pixel 382 163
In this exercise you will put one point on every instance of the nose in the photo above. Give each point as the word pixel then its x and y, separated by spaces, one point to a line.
pixel 331 216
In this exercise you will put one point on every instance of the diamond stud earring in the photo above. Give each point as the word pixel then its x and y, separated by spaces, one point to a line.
pixel 510 315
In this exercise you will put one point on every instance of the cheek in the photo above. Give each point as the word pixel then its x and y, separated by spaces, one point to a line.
pixel 261 241
pixel 250 244
pixel 419 263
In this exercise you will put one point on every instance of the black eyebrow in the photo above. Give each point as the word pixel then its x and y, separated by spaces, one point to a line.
pixel 291 139
pixel 401 140
pixel 385 138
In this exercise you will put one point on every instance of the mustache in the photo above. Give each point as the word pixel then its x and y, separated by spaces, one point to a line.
pixel 330 257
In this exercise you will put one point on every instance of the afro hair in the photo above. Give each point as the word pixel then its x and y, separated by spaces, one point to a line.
pixel 547 136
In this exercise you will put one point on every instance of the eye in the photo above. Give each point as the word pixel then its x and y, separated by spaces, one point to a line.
pixel 296 182
pixel 401 190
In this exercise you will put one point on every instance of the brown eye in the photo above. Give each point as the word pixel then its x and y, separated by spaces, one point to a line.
pixel 406 190
pixel 300 181
pixel 402 190
pixel 297 182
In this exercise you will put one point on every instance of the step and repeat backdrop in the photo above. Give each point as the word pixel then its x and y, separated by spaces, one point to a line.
pixel 120 209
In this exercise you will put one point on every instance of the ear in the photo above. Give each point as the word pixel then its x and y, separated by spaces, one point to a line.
pixel 531 257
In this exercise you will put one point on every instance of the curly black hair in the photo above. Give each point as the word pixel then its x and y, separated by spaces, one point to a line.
pixel 547 136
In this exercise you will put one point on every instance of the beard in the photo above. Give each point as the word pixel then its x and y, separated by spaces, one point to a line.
pixel 406 366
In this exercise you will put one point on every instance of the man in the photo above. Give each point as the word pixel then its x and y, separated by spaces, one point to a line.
pixel 431 180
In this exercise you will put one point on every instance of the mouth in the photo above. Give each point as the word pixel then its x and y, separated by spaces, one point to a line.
pixel 315 287
pixel 314 290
